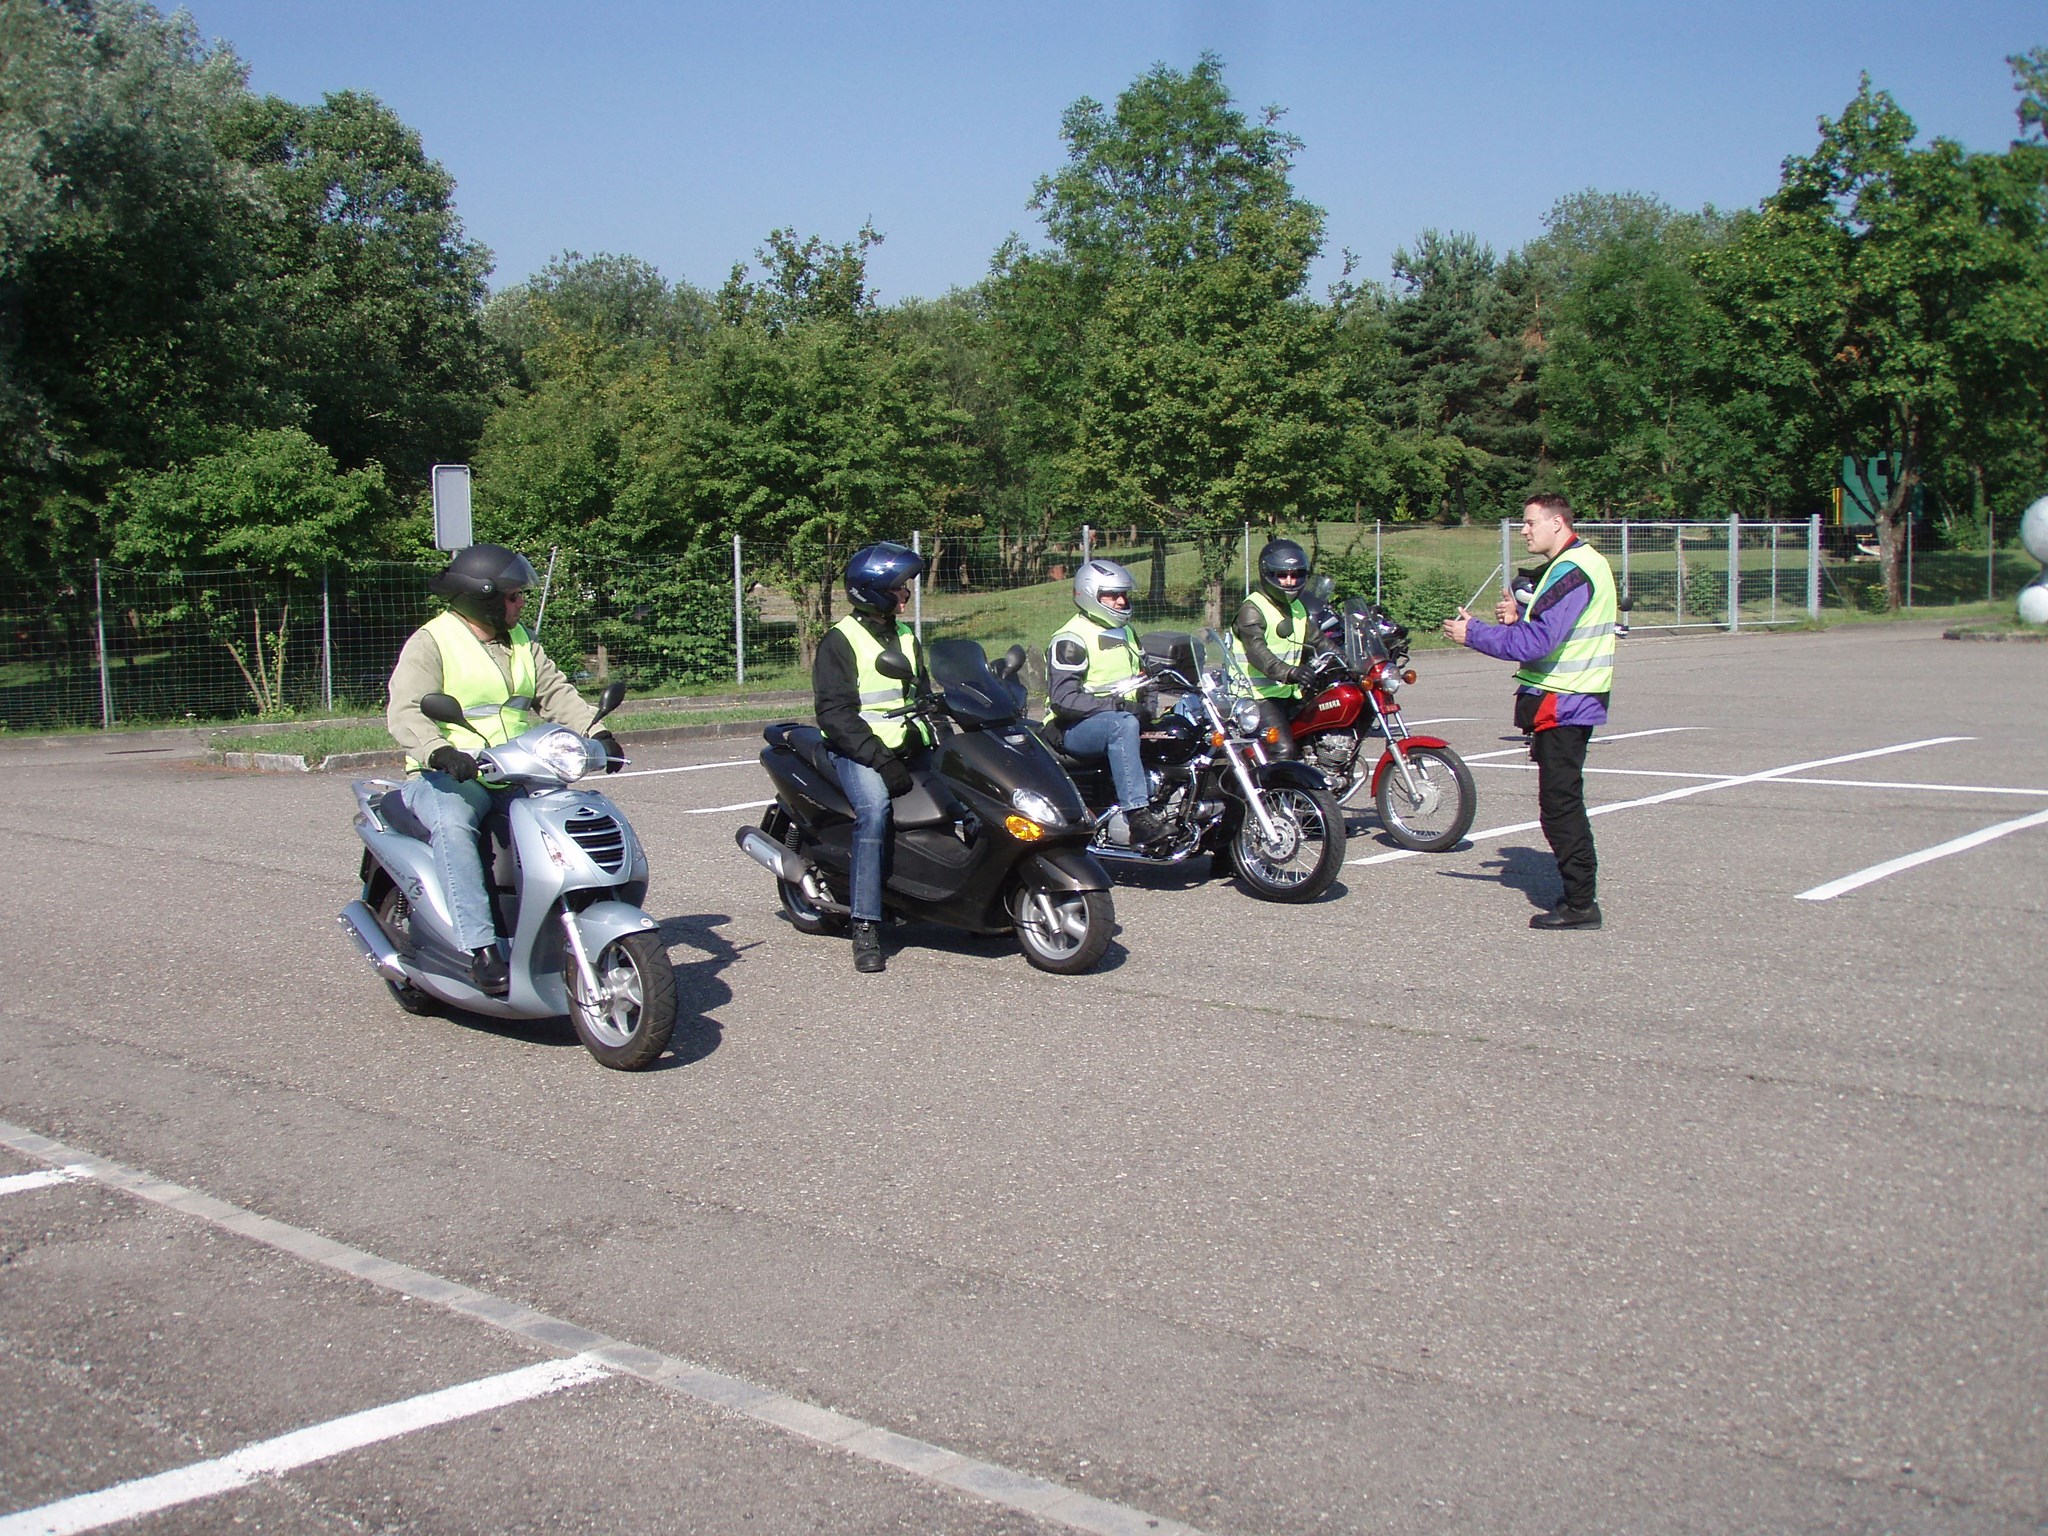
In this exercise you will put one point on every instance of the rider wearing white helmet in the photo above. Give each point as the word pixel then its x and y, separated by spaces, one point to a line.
pixel 1090 667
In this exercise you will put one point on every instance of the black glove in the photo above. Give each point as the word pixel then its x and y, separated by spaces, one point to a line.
pixel 614 754
pixel 454 762
pixel 1145 702
pixel 895 776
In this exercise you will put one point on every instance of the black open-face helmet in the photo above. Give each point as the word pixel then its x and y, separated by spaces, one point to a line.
pixel 1280 558
pixel 875 572
pixel 476 581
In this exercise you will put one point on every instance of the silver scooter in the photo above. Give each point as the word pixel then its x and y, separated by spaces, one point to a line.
pixel 565 876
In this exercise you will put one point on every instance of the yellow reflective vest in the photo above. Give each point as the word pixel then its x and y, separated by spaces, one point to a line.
pixel 1283 649
pixel 1584 661
pixel 495 712
pixel 879 694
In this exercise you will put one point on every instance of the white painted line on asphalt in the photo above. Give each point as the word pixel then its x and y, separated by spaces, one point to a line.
pixel 1025 1492
pixel 1963 844
pixel 1443 720
pixel 1633 773
pixel 1597 741
pixel 42 1178
pixel 1946 789
pixel 302 1447
pixel 1685 792
pixel 648 773
pixel 744 805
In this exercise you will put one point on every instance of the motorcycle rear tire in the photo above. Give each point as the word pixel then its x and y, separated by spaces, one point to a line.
pixel 1084 922
pixel 395 918
pixel 803 916
pixel 633 1028
pixel 1248 857
pixel 1449 775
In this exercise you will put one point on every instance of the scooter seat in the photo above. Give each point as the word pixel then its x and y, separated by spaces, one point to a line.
pixel 398 816
pixel 807 742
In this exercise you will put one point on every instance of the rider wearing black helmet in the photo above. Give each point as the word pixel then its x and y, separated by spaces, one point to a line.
pixel 479 653
pixel 1273 628
pixel 854 702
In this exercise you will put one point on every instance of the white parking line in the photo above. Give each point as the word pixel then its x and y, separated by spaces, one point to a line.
pixel 648 773
pixel 1597 741
pixel 1685 792
pixel 1025 1492
pixel 1963 844
pixel 42 1178
pixel 744 805
pixel 302 1447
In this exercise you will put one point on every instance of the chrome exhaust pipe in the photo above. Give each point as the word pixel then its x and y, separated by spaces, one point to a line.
pixel 771 855
pixel 361 924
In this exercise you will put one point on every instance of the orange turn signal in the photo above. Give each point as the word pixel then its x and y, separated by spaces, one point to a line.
pixel 1270 736
pixel 1408 676
pixel 1023 828
pixel 1215 738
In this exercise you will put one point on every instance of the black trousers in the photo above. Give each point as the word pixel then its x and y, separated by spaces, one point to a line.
pixel 1560 755
pixel 1276 713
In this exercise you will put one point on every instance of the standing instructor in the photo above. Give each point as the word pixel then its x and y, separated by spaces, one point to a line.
pixel 1565 644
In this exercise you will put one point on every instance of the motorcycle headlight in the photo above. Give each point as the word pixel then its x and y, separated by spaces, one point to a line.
pixel 1246 713
pixel 568 755
pixel 1390 681
pixel 1030 803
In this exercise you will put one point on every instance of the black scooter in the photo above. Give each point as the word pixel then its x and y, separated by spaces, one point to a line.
pixel 992 837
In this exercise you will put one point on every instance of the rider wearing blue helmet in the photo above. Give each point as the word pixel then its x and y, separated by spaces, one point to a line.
pixel 854 704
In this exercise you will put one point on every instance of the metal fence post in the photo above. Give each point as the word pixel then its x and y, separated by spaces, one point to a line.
pixel 917 586
pixel 1909 552
pixel 546 582
pixel 739 619
pixel 1087 543
pixel 1678 562
pixel 1375 562
pixel 1813 567
pixel 326 645
pixel 99 625
pixel 1507 572
pixel 1247 557
pixel 1734 572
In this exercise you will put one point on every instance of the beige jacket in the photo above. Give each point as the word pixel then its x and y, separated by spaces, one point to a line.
pixel 418 674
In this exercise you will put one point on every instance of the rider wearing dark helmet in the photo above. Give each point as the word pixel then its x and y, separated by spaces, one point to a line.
pixel 1274 631
pixel 479 653
pixel 1094 688
pixel 854 703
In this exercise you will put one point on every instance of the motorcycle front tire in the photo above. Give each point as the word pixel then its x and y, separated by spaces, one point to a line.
pixel 1315 814
pixel 1448 775
pixel 1080 929
pixel 631 1029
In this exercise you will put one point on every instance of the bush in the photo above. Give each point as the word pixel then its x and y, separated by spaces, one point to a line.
pixel 1419 600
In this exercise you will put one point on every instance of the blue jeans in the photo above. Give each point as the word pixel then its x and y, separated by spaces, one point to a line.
pixel 1114 735
pixel 452 812
pixel 871 818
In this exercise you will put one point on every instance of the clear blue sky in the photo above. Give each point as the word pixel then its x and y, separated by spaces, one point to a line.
pixel 682 132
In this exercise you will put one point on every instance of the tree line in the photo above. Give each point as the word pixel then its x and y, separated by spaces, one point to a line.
pixel 235 330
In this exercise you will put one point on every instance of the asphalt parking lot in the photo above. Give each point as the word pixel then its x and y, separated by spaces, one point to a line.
pixel 1382 1214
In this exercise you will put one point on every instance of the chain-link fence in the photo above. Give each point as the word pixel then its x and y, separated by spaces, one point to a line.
pixel 117 646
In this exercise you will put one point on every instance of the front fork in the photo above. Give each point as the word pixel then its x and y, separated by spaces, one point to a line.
pixel 584 969
pixel 1396 730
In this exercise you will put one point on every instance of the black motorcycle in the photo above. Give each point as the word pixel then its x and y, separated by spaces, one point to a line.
pixel 992 837
pixel 1213 782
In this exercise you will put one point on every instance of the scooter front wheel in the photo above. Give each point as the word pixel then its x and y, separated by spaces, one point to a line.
pixel 628 1024
pixel 1439 811
pixel 1064 932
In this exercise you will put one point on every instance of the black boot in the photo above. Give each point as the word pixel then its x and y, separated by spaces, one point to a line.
pixel 1566 916
pixel 867 947
pixel 487 971
pixel 1146 828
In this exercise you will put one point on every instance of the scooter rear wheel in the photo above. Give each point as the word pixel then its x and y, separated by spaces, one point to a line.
pixel 629 1025
pixel 1071 936
pixel 804 916
pixel 395 918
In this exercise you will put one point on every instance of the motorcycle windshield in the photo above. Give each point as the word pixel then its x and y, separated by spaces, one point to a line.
pixel 974 695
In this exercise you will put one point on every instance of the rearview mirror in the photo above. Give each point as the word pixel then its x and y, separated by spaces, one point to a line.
pixel 442 709
pixel 608 701
pixel 892 664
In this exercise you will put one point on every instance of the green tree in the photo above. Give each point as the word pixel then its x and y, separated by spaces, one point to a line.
pixel 127 332
pixel 1204 393
pixel 1877 281
pixel 273 502
pixel 618 301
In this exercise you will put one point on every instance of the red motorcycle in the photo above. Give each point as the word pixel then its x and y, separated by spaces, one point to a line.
pixel 1421 787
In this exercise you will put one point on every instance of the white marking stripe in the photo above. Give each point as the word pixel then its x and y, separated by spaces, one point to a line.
pixel 744 805
pixel 1597 741
pixel 302 1447
pixel 1669 773
pixel 1686 792
pixel 1962 844
pixel 17 1183
pixel 997 1484
pixel 648 773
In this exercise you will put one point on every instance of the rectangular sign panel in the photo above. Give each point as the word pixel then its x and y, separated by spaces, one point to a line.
pixel 451 507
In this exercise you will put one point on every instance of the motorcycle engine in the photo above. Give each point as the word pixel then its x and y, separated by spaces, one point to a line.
pixel 1335 750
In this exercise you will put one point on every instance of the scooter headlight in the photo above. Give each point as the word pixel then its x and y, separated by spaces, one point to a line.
pixel 1246 713
pixel 568 755
pixel 1036 807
